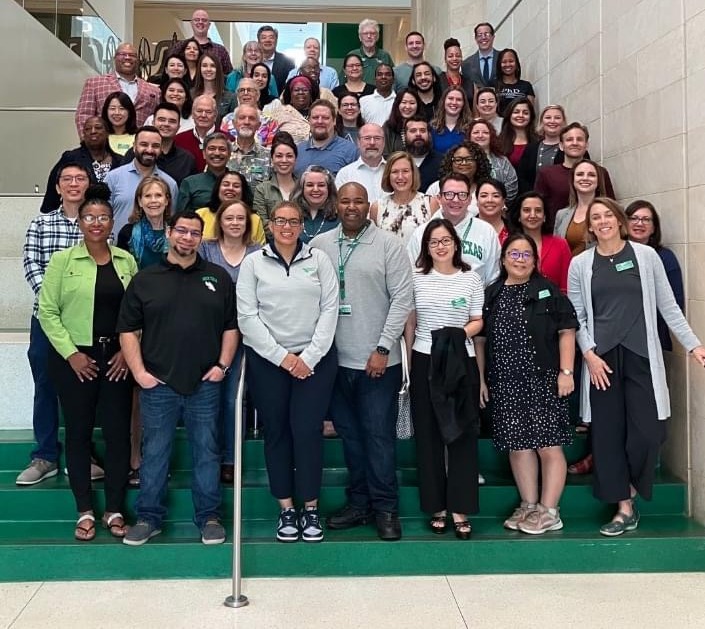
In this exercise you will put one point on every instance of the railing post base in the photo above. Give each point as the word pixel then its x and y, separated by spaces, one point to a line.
pixel 240 601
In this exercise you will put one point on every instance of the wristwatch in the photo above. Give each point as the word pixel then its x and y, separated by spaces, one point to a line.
pixel 567 372
pixel 382 350
pixel 225 369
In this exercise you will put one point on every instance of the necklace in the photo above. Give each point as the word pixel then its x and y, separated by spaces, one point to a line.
pixel 320 227
pixel 611 256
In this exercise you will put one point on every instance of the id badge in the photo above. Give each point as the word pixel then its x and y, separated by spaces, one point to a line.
pixel 624 266
pixel 345 310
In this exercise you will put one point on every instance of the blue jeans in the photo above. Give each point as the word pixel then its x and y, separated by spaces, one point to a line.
pixel 228 393
pixel 364 412
pixel 45 416
pixel 162 407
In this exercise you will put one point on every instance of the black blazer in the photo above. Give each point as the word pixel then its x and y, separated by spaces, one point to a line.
pixel 454 384
pixel 430 169
pixel 466 83
pixel 281 67
pixel 546 312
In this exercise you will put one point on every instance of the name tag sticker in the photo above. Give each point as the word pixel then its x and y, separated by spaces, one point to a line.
pixel 345 310
pixel 543 294
pixel 458 302
pixel 624 266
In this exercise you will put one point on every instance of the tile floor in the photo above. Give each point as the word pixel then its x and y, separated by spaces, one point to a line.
pixel 641 601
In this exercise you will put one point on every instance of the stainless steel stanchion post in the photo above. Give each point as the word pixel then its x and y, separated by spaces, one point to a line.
pixel 237 598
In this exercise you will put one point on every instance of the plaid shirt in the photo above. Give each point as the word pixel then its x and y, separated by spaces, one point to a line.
pixel 46 234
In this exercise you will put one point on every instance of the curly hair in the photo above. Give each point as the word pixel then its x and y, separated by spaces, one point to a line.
pixel 495 148
pixel 483 168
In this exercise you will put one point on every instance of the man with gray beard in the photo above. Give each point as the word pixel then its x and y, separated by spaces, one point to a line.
pixel 250 159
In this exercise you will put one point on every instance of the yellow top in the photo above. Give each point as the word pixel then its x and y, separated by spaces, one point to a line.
pixel 256 227
pixel 121 143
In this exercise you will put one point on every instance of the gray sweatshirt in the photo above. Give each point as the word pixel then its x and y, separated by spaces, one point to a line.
pixel 284 310
pixel 379 291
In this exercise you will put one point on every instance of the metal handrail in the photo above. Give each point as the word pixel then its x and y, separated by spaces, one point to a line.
pixel 237 598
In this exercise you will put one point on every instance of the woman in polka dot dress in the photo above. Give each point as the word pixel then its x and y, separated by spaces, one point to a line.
pixel 530 344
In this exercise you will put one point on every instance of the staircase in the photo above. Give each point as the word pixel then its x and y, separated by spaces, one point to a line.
pixel 36 529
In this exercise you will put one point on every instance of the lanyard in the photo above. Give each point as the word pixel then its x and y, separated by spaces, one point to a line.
pixel 467 229
pixel 343 260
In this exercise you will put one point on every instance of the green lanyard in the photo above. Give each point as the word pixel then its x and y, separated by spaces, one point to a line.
pixel 467 229
pixel 343 260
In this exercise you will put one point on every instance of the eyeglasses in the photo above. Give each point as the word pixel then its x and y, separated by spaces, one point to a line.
pixel 126 55
pixel 520 255
pixel 449 195
pixel 353 66
pixel 246 90
pixel 182 231
pixel 447 241
pixel 72 178
pixel 350 106
pixel 645 220
pixel 103 219
pixel 281 222
pixel 462 160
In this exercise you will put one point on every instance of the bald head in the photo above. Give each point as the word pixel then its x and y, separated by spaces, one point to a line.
pixel 370 140
pixel 353 207
pixel 126 61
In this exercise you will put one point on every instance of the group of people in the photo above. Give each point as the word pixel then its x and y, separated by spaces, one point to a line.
pixel 329 228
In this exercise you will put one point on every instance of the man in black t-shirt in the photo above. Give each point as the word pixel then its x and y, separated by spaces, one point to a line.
pixel 178 332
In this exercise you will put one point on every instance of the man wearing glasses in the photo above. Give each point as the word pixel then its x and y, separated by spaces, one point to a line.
pixel 479 240
pixel 47 234
pixel 480 66
pixel 154 343
pixel 144 95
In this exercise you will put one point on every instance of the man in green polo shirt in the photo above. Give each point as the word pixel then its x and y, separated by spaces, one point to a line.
pixel 195 191
pixel 369 53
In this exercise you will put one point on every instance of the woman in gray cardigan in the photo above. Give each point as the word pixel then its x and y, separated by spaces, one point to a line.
pixel 616 288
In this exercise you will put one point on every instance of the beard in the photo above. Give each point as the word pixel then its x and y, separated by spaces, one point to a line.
pixel 146 159
pixel 320 135
pixel 418 148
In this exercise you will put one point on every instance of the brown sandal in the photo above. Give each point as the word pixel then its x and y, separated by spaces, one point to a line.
pixel 86 534
pixel 116 529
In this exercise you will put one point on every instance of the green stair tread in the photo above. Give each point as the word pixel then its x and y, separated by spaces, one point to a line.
pixel 659 545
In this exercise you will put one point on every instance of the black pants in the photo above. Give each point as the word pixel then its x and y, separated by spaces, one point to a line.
pixel 455 489
pixel 81 403
pixel 626 432
pixel 292 413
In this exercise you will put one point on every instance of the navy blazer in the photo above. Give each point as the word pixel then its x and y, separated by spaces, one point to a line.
pixel 471 68
pixel 281 67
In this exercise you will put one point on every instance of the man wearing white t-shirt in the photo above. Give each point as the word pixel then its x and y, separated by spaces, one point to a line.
pixel 479 240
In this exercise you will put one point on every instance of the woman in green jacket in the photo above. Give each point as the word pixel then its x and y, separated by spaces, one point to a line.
pixel 78 308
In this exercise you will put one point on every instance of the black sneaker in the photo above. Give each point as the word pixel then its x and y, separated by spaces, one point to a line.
pixel 288 527
pixel 310 523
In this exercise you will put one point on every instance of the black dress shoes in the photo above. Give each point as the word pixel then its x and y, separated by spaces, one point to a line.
pixel 388 526
pixel 348 517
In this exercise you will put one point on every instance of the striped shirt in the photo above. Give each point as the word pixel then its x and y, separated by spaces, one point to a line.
pixel 445 301
pixel 46 234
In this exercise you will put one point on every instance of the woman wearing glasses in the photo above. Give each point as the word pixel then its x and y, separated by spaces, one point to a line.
pixel 529 348
pixel 352 71
pixel 645 228
pixel 465 159
pixel 287 302
pixel 448 297
pixel 617 288
pixel 78 307
pixel 402 208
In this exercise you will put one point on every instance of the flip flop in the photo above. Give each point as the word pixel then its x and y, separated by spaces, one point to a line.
pixel 88 533
pixel 116 530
